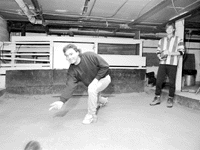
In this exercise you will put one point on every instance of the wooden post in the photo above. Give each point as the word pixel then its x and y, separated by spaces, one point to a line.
pixel 96 47
pixel 51 46
pixel 13 50
pixel 137 35
pixel 4 35
pixel 179 32
pixel 23 30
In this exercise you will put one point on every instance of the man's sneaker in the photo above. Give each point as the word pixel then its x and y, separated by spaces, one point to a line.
pixel 170 102
pixel 156 101
pixel 89 119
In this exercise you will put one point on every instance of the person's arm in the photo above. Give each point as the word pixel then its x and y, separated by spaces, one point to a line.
pixel 103 67
pixel 70 87
pixel 160 52
pixel 67 93
pixel 174 54
pixel 180 49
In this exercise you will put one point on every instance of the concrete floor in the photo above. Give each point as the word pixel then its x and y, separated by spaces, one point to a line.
pixel 126 123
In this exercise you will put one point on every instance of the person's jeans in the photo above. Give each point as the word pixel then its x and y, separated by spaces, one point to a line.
pixel 170 72
pixel 93 94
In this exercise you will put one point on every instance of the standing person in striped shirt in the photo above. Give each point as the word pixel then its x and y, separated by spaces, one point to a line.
pixel 170 48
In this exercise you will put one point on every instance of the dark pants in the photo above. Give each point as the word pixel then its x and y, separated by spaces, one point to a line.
pixel 163 72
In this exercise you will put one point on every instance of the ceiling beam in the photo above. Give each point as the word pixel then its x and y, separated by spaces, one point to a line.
pixel 151 12
pixel 192 11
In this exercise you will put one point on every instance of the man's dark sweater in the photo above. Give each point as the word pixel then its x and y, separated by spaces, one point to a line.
pixel 91 66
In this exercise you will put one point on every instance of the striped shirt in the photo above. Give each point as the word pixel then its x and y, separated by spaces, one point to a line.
pixel 174 44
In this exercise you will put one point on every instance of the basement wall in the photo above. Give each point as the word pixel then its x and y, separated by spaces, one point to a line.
pixel 149 49
pixel 126 77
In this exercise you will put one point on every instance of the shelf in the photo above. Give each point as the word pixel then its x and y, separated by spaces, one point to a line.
pixel 9 58
pixel 25 54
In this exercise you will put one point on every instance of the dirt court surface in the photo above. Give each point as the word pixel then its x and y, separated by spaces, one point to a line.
pixel 126 123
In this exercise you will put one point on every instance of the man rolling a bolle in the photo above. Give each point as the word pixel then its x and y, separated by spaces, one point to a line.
pixel 93 71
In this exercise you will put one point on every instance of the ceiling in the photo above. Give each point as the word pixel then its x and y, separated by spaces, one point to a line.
pixel 122 18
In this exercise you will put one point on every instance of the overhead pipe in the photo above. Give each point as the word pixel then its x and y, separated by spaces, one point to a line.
pixel 39 10
pixel 91 33
pixel 106 33
pixel 28 13
pixel 82 23
pixel 85 8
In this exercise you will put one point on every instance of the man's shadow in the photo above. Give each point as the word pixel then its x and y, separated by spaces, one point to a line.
pixel 68 106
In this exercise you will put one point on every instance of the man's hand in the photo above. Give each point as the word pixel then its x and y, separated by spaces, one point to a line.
pixel 56 105
pixel 165 52
pixel 163 55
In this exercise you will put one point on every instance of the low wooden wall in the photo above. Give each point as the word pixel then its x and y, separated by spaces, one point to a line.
pixel 53 81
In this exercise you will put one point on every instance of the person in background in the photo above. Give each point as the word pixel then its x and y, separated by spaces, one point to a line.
pixel 93 71
pixel 33 145
pixel 168 51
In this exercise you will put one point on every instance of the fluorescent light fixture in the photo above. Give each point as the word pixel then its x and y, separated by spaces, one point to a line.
pixel 61 10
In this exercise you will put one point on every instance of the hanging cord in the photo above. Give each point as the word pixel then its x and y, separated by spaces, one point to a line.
pixel 142 10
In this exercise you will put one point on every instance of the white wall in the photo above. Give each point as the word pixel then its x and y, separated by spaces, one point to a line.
pixel 57 44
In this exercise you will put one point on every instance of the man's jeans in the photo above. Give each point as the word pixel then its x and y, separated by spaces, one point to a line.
pixel 94 94
pixel 163 71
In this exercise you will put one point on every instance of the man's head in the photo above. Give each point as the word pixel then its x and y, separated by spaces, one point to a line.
pixel 33 145
pixel 72 53
pixel 170 28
